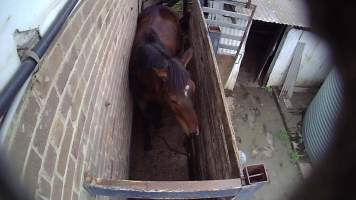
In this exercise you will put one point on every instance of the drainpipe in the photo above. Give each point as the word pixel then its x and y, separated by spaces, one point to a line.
pixel 28 65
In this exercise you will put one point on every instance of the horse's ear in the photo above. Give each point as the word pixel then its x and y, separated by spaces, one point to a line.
pixel 161 73
pixel 187 55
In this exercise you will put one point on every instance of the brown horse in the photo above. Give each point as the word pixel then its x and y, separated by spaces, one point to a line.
pixel 158 77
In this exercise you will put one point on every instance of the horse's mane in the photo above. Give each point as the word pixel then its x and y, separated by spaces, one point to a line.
pixel 153 54
pixel 177 76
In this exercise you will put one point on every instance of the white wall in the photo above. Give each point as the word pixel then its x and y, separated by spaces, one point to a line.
pixel 315 65
pixel 21 15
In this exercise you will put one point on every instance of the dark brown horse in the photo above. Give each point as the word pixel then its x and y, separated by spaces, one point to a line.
pixel 158 77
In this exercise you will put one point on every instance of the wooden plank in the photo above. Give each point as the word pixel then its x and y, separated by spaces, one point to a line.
pixel 225 24
pixel 225 13
pixel 231 81
pixel 162 189
pixel 280 45
pixel 288 86
pixel 216 150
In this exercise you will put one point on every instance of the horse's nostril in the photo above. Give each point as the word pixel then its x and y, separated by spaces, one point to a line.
pixel 195 133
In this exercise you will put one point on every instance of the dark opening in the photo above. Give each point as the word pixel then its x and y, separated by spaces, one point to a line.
pixel 261 46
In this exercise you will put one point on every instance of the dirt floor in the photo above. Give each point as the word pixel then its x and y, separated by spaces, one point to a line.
pixel 262 135
pixel 166 160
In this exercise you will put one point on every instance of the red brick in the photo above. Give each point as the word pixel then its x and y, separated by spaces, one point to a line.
pixel 66 104
pixel 42 131
pixel 86 128
pixel 87 27
pixel 67 36
pixel 44 188
pixel 78 135
pixel 99 23
pixel 108 17
pixel 50 160
pixel 66 69
pixel 109 5
pixel 73 80
pixel 57 191
pixel 24 133
pixel 79 66
pixel 99 6
pixel 76 23
pixel 74 196
pixel 67 189
pixel 87 7
pixel 57 131
pixel 77 100
pixel 44 77
pixel 90 63
pixel 31 172
pixel 92 35
pixel 78 44
pixel 79 170
pixel 64 154
pixel 90 88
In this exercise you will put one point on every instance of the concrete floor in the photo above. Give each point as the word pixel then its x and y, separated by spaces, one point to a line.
pixel 260 131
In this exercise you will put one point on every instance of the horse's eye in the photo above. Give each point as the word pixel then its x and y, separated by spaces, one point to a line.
pixel 174 101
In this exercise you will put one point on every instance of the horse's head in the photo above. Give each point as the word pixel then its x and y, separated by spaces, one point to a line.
pixel 179 91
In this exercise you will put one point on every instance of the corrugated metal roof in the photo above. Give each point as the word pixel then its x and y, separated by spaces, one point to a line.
pixel 291 12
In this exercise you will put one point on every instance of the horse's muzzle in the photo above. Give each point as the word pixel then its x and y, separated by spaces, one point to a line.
pixel 195 133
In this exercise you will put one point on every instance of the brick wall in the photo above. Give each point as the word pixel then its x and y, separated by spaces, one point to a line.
pixel 76 114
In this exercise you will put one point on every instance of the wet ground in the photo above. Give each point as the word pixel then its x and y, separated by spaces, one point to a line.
pixel 262 135
pixel 259 128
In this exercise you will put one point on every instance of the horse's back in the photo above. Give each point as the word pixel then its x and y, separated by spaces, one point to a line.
pixel 165 23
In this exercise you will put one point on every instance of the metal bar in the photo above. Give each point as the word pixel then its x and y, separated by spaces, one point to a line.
pixel 230 83
pixel 226 46
pixel 162 189
pixel 232 37
pixel 234 3
pixel 255 175
pixel 244 36
pixel 225 13
pixel 225 24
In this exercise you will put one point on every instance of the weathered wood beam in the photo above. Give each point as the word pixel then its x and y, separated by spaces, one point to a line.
pixel 162 189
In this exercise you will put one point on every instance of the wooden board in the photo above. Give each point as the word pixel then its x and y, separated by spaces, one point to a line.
pixel 162 189
pixel 215 152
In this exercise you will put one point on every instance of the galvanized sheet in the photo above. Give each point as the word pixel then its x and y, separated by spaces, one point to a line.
pixel 321 117
pixel 290 12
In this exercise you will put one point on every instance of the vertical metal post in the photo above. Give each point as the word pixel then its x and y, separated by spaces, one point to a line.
pixel 215 35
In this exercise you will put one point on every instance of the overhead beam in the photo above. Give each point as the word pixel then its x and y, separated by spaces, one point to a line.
pixel 225 13
pixel 225 24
